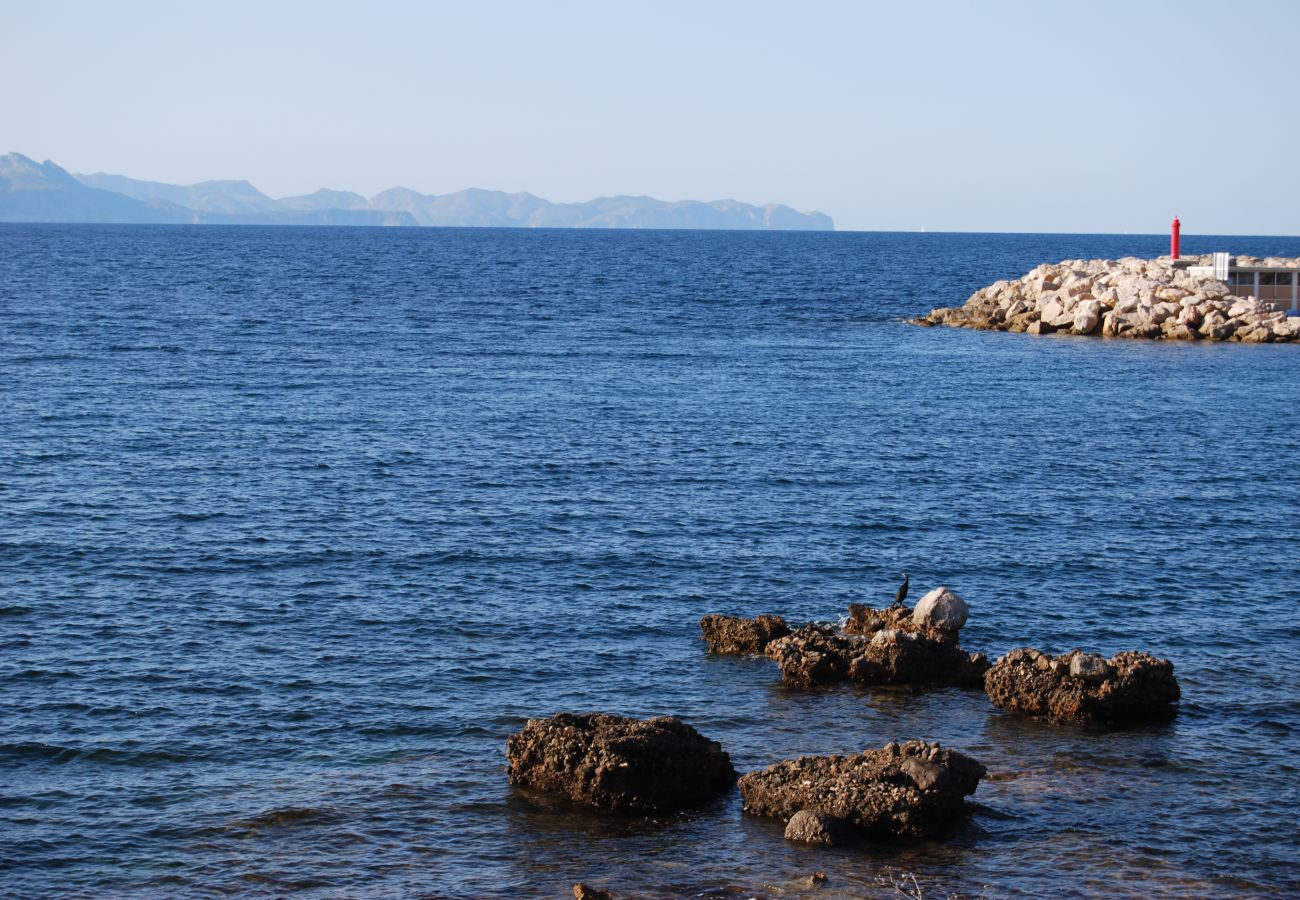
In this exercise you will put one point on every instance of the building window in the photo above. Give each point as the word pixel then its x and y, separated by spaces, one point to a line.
pixel 1267 279
pixel 1285 279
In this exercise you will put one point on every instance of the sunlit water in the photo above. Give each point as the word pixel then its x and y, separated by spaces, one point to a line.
pixel 297 525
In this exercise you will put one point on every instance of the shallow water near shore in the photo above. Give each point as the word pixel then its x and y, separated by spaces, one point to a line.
pixel 297 525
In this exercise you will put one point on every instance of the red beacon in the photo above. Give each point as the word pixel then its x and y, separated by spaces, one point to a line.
pixel 1173 238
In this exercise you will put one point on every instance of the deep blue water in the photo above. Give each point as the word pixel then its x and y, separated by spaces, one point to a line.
pixel 297 525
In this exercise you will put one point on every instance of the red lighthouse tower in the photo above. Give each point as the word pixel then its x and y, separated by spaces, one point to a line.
pixel 1173 238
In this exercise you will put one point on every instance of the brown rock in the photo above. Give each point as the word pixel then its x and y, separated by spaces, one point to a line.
pixel 809 826
pixel 585 892
pixel 730 634
pixel 1079 687
pixel 902 658
pixel 915 790
pixel 865 620
pixel 617 763
pixel 814 654
pixel 883 646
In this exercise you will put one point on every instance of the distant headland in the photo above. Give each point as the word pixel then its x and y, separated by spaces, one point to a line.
pixel 44 192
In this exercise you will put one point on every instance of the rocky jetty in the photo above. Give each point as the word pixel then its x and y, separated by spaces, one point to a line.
pixel 618 763
pixel 1083 687
pixel 895 645
pixel 1127 298
pixel 912 790
pixel 734 635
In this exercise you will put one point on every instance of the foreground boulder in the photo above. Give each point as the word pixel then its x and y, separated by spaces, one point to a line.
pixel 1083 687
pixel 618 763
pixel 1127 298
pixel 912 790
pixel 731 634
pixel 877 646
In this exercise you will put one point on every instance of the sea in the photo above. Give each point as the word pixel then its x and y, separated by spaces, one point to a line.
pixel 298 525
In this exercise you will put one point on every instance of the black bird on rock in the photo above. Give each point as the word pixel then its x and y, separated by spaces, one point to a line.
pixel 902 592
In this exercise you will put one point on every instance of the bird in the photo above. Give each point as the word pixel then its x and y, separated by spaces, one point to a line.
pixel 902 592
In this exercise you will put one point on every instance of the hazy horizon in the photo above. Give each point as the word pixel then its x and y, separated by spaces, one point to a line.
pixel 1007 118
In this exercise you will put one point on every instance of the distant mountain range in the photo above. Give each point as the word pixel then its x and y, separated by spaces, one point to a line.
pixel 44 192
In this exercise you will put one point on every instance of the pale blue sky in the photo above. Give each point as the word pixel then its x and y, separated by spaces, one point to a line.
pixel 997 116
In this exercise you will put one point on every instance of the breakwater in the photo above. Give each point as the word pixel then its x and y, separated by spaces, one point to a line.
pixel 1127 298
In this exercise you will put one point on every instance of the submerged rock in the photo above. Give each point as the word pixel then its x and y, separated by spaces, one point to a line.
pixel 808 826
pixel 587 892
pixel 1127 298
pixel 913 790
pixel 1083 687
pixel 618 763
pixel 731 634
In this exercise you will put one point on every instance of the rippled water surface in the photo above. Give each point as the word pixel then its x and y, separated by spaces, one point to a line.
pixel 297 525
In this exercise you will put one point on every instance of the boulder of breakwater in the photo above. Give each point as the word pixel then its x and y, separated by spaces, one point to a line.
pixel 618 763
pixel 734 635
pixel 911 790
pixel 1127 298
pixel 1083 687
pixel 895 645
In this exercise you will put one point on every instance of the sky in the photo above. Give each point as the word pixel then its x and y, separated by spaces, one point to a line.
pixel 951 116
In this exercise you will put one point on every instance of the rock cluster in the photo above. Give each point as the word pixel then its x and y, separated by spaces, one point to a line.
pixel 1131 298
pixel 1082 687
pixel 863 619
pixel 617 763
pixel 912 790
pixel 883 646
pixel 730 634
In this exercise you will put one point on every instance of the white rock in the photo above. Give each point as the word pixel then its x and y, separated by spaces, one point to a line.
pixel 941 608
pixel 1087 317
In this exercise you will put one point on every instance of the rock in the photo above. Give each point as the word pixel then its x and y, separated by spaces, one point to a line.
pixel 1080 687
pixel 913 790
pixel 865 620
pixel 1055 314
pixel 617 763
pixel 941 609
pixel 812 655
pixel 730 634
pixel 1089 667
pixel 1087 317
pixel 891 648
pixel 584 892
pixel 808 826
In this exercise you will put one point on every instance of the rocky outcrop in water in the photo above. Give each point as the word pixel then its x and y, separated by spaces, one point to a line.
pixel 912 790
pixel 895 645
pixel 618 763
pixel 1128 298
pixel 1083 687
pixel 863 619
pixel 734 635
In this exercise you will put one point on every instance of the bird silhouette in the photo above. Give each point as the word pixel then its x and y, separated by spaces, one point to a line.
pixel 902 592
